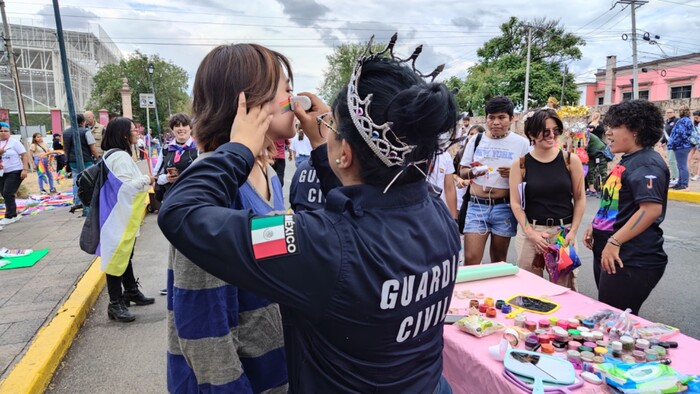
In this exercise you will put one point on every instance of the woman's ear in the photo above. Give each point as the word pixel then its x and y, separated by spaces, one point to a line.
pixel 346 155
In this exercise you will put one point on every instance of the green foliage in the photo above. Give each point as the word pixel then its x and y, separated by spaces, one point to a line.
pixel 169 81
pixel 32 120
pixel 463 97
pixel 503 59
pixel 340 65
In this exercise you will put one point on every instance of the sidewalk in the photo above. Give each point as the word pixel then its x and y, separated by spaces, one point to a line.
pixel 692 195
pixel 30 297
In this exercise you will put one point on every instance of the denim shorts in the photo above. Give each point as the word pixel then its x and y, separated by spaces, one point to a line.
pixel 496 219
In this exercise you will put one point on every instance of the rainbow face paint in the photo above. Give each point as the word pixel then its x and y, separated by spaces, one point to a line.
pixel 285 105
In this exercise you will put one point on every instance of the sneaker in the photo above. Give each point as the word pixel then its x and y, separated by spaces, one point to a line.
pixel 44 192
pixel 695 178
pixel 680 188
pixel 53 190
pixel 7 221
pixel 164 292
pixel 673 182
pixel 591 193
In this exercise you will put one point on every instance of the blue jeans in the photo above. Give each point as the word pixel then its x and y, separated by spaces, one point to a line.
pixel 672 166
pixel 74 170
pixel 683 173
pixel 44 177
pixel 300 159
pixel 496 219
pixel 443 387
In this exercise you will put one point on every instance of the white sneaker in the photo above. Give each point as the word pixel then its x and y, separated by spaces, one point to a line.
pixel 7 221
pixel 695 178
pixel 673 182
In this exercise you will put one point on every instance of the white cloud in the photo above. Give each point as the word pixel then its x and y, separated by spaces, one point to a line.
pixel 306 30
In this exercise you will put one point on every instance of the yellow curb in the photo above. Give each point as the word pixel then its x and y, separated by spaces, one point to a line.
pixel 34 371
pixel 684 196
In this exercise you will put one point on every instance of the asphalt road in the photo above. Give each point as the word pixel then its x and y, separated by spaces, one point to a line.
pixel 130 358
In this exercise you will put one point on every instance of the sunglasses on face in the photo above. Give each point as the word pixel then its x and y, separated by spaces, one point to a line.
pixel 547 132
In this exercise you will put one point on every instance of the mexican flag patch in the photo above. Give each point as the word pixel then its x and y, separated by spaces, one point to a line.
pixel 273 236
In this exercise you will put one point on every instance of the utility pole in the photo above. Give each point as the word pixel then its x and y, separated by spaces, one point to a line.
pixel 563 83
pixel 635 72
pixel 69 91
pixel 527 71
pixel 13 66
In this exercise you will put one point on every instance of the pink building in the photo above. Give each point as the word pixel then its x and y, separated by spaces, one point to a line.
pixel 663 79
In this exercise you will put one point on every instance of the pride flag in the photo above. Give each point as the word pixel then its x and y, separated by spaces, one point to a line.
pixel 121 213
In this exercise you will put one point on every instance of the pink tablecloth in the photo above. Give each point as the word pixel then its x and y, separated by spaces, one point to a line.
pixel 467 364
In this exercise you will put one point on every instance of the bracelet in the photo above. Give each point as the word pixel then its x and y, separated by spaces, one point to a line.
pixel 616 240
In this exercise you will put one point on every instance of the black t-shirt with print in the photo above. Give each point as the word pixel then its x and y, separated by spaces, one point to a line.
pixel 639 177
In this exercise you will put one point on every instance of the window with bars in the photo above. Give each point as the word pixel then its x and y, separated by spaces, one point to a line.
pixel 643 95
pixel 681 92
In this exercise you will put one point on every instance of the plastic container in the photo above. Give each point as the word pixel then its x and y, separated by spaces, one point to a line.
pixel 627 343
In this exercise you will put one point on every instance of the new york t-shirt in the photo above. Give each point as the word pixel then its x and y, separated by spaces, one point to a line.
pixel 495 153
pixel 639 177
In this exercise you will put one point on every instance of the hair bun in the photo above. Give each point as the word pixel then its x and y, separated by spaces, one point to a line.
pixel 423 112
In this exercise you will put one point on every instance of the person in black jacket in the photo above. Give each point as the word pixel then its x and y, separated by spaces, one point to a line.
pixel 365 283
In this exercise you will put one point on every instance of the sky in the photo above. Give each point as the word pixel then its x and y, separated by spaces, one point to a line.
pixel 306 31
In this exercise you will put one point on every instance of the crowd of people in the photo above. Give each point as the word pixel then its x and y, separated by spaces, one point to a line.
pixel 333 296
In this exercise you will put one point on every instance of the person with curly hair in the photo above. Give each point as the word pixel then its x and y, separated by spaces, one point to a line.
pixel 626 237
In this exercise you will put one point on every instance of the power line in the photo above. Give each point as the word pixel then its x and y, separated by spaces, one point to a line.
pixel 679 3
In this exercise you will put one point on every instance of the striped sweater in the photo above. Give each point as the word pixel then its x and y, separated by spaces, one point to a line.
pixel 223 339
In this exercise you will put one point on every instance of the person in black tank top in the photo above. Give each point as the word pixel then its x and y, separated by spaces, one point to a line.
pixel 546 193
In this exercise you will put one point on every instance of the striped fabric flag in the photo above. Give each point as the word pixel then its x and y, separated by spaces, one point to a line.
pixel 273 236
pixel 121 213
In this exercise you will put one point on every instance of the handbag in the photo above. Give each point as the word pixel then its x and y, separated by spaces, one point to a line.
pixel 462 216
pixel 90 233
pixel 695 137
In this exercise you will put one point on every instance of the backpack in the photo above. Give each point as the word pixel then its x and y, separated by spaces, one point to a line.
pixel 92 178
pixel 607 153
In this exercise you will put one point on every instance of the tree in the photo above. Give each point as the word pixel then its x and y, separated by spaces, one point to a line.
pixel 502 64
pixel 455 83
pixel 169 81
pixel 340 65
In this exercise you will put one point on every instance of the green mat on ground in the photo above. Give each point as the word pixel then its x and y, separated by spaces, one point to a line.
pixel 22 261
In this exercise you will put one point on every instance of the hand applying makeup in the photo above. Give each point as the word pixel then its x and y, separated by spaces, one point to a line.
pixel 250 125
pixel 308 121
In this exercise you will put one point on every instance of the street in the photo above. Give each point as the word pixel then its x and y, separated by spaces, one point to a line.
pixel 130 358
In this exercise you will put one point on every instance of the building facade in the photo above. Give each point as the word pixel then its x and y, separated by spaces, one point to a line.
pixel 672 78
pixel 39 66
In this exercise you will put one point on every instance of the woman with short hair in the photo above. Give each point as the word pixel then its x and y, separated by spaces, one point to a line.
pixel 679 143
pixel 547 194
pixel 626 237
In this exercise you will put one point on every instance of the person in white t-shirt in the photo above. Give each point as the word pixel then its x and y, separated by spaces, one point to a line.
pixel 13 170
pixel 300 149
pixel 440 175
pixel 489 210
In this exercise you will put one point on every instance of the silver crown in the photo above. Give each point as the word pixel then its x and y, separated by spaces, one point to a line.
pixel 391 151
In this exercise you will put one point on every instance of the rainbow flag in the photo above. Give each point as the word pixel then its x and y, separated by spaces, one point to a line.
pixel 121 213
